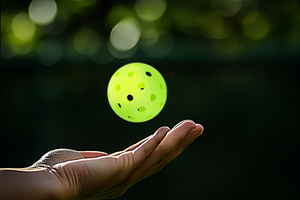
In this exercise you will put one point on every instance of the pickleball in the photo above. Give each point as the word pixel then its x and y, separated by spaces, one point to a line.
pixel 137 92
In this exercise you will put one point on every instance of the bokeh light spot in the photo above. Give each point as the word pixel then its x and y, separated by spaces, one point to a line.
pixel 247 6
pixel 125 35
pixel 161 48
pixel 226 50
pixel 86 41
pixel 249 18
pixel 22 26
pixel 49 51
pixel 150 10
pixel 288 5
pixel 214 27
pixel 18 46
pixel 115 15
pixel 6 50
pixel 120 54
pixel 5 22
pixel 226 8
pixel 101 56
pixel 42 12
pixel 184 18
pixel 259 28
pixel 149 36
pixel 86 3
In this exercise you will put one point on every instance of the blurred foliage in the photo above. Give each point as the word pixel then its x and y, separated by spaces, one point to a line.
pixel 228 27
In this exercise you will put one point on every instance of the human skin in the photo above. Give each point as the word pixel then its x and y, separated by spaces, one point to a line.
pixel 64 174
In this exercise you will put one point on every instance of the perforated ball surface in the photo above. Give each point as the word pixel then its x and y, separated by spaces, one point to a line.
pixel 137 92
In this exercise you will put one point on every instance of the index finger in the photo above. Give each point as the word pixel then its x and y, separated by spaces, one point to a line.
pixel 143 151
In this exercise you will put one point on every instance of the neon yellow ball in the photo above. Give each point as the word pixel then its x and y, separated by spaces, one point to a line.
pixel 137 92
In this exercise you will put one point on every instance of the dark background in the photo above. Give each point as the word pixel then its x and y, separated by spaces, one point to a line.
pixel 247 99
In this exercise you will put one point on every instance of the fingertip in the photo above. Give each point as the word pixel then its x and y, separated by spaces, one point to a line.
pixel 199 128
pixel 162 130
pixel 189 125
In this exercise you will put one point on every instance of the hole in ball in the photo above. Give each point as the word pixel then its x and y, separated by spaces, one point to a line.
pixel 118 87
pixel 119 105
pixel 141 86
pixel 129 97
pixel 117 73
pixel 161 86
pixel 141 109
pixel 161 104
pixel 130 74
pixel 148 74
pixel 153 97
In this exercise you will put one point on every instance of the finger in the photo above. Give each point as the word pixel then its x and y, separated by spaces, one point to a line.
pixel 176 136
pixel 189 139
pixel 168 144
pixel 92 154
pixel 144 150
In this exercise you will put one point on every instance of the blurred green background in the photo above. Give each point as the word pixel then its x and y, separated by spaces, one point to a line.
pixel 231 65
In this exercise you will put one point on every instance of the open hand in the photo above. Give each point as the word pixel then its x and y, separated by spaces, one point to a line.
pixel 97 175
